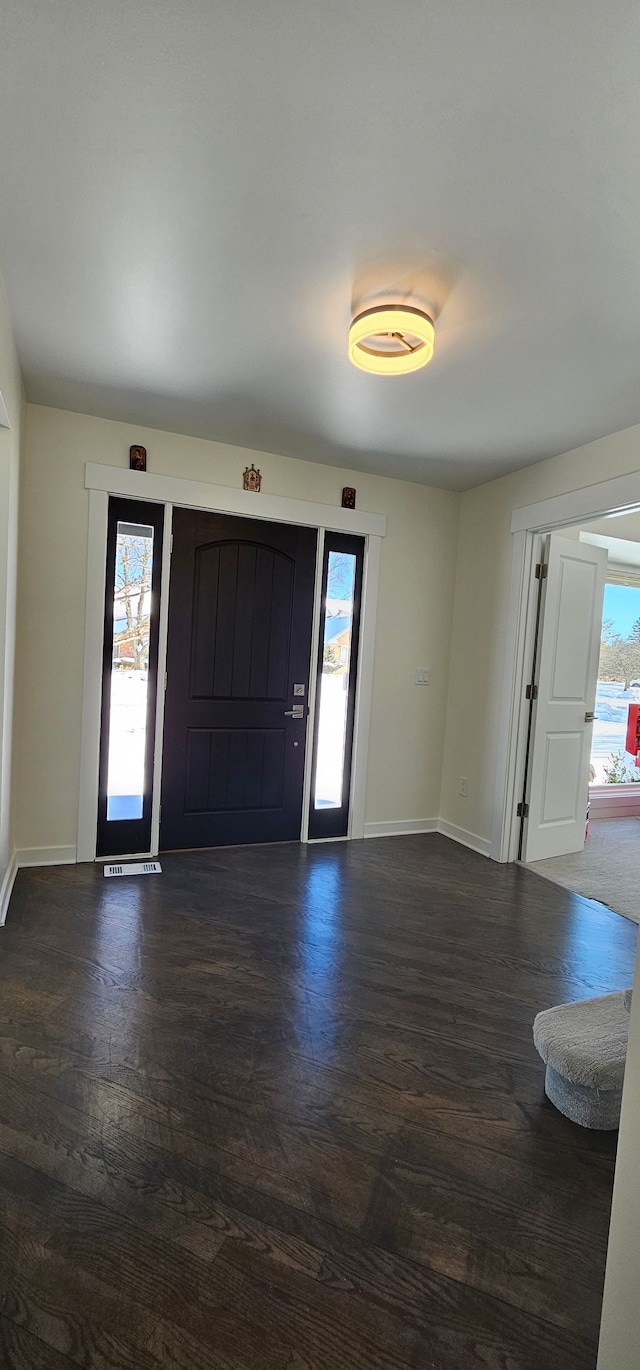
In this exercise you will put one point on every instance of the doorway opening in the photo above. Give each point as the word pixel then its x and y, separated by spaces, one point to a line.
pixel 164 496
pixel 592 640
pixel 613 765
pixel 237 682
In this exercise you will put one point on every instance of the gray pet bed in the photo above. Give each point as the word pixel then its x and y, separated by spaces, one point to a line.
pixel 584 1047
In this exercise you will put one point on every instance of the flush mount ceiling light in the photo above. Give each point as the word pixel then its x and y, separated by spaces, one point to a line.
pixel 391 339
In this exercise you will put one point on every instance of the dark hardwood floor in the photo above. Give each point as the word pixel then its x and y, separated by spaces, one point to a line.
pixel 279 1109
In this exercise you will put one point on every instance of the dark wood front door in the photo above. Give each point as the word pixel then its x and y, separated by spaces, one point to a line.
pixel 240 610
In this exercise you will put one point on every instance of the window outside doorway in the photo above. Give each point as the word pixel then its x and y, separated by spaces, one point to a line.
pixel 618 686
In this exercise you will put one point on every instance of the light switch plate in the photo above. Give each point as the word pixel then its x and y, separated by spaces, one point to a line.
pixel 423 676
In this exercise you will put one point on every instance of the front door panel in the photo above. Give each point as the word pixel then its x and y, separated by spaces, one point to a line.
pixel 240 610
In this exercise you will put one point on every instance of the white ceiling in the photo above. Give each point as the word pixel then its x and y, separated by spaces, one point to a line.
pixel 622 552
pixel 620 534
pixel 195 193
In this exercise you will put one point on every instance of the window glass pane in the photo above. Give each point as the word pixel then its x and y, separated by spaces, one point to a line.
pixel 129 671
pixel 334 681
pixel 618 687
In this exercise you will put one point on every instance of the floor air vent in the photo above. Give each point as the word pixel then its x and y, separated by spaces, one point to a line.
pixel 136 868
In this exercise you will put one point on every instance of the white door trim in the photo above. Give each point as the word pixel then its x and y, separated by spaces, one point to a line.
pixel 163 634
pixel 521 623
pixel 364 685
pixel 223 499
pixel 313 686
pixel 616 496
pixel 102 481
pixel 92 687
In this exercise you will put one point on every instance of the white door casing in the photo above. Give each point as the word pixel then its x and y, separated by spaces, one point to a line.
pixel 567 676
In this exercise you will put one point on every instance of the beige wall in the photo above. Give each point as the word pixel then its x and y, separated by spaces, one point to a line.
pixel 480 614
pixel 10 439
pixel 414 611
pixel 413 622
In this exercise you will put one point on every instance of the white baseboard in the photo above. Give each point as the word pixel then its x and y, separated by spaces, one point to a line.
pixel 405 826
pixel 45 856
pixel 466 839
pixel 400 828
pixel 6 887
pixel 30 856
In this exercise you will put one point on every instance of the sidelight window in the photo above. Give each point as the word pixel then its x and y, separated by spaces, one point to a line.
pixel 335 697
pixel 129 676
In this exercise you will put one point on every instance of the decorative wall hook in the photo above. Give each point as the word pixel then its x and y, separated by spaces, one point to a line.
pixel 138 458
pixel 251 479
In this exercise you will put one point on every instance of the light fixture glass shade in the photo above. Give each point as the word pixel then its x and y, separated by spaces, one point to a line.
pixel 391 339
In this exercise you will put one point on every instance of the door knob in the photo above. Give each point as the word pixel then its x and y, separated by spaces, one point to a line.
pixel 591 718
pixel 296 712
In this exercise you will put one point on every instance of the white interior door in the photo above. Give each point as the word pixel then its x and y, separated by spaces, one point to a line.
pixel 566 677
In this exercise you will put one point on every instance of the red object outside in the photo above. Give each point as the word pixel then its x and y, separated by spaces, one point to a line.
pixel 632 744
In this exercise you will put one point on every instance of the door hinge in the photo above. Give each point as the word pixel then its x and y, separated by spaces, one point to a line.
pixel 541 570
pixel 165 681
pixel 522 811
pixel 170 544
pixel 532 692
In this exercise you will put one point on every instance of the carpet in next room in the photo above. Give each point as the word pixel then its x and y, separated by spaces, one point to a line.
pixel 608 870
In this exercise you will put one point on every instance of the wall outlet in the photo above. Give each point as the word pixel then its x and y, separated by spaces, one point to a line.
pixel 423 676
pixel 463 786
